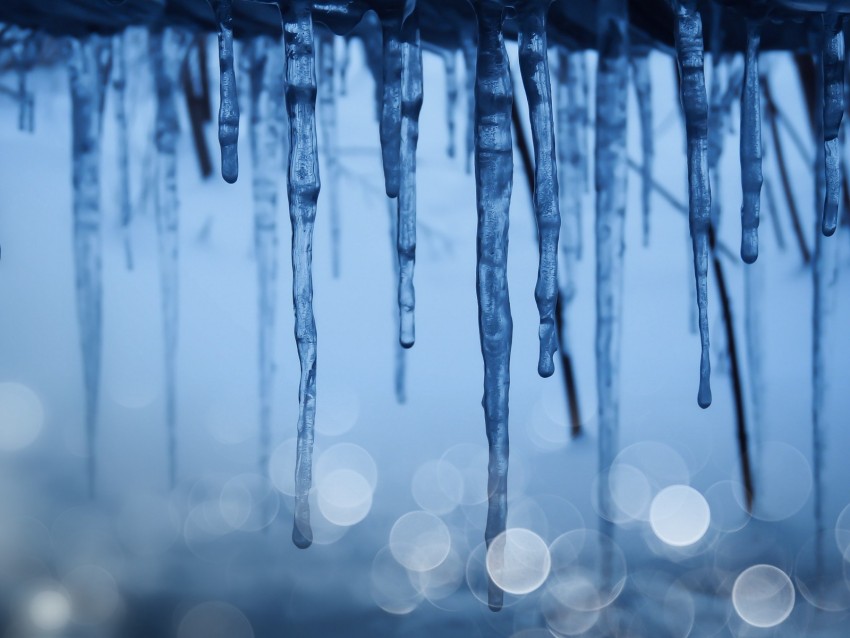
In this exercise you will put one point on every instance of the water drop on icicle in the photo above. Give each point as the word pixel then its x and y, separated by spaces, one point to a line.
pixel 328 119
pixel 751 152
pixel 119 84
pixel 167 50
pixel 450 63
pixel 689 48
pixel 391 103
pixel 493 181
pixel 265 57
pixel 303 186
pixel 612 82
pixel 411 105
pixel 228 114
pixel 88 65
pixel 534 66
pixel 643 91
pixel 833 110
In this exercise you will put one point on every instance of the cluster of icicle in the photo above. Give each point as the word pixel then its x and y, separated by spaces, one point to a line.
pixel 491 145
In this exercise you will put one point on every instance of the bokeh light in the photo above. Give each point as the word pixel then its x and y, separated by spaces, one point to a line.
pixel 21 416
pixel 679 515
pixel 420 541
pixel 763 596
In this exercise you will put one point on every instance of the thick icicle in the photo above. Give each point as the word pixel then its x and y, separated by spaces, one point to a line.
pixel 399 352
pixel 689 47
pixel 751 152
pixel 494 181
pixel 833 109
pixel 469 58
pixel 534 66
pixel 228 114
pixel 303 187
pixel 266 76
pixel 612 82
pixel 643 91
pixel 411 105
pixel 450 63
pixel 167 49
pixel 327 115
pixel 391 104
pixel 119 83
pixel 88 65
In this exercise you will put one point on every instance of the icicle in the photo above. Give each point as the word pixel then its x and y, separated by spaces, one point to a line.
pixel 751 152
pixel 534 66
pixel 88 65
pixel 612 82
pixel 494 178
pixel 300 73
pixel 327 114
pixel 119 83
pixel 266 77
pixel 570 178
pixel 23 51
pixel 167 49
pixel 643 91
pixel 583 116
pixel 450 63
pixel 689 47
pixel 399 352
pixel 753 328
pixel 228 114
pixel 469 58
pixel 343 66
pixel 832 62
pixel 411 105
pixel 391 103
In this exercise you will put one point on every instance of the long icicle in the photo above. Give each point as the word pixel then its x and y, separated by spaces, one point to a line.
pixel 689 47
pixel 167 49
pixel 228 114
pixel 643 91
pixel 87 65
pixel 328 120
pixel 450 64
pixel 612 82
pixel 119 84
pixel 493 185
pixel 303 186
pixel 391 105
pixel 534 67
pixel 266 77
pixel 832 61
pixel 411 105
pixel 751 151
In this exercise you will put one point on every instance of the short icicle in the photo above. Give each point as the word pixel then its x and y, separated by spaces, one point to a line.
pixel 265 72
pixel 534 66
pixel 450 64
pixel 493 183
pixel 391 20
pixel 328 121
pixel 833 109
pixel 88 65
pixel 612 83
pixel 643 91
pixel 228 114
pixel 119 84
pixel 689 48
pixel 751 148
pixel 411 105
pixel 303 187
pixel 167 49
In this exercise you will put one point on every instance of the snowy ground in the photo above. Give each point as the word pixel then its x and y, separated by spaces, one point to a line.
pixel 158 554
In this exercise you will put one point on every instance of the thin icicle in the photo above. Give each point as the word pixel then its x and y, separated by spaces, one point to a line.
pixel 643 92
pixel 469 58
pixel 88 66
pixel 327 116
pixel 167 49
pixel 583 115
pixel 411 105
pixel 343 66
pixel 228 114
pixel 303 186
pixel 534 67
pixel 570 179
pixel 399 352
pixel 391 104
pixel 119 84
pixel 753 293
pixel 832 62
pixel 450 63
pixel 612 82
pixel 494 181
pixel 689 47
pixel 265 57
pixel 751 151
